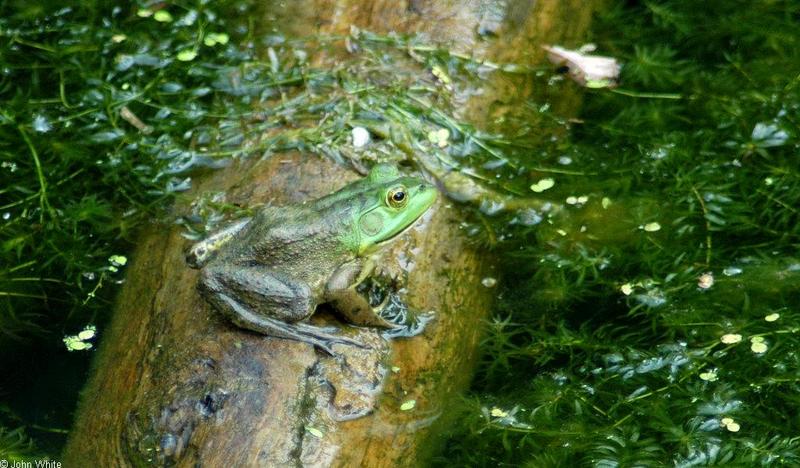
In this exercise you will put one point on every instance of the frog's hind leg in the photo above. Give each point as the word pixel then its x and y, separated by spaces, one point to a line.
pixel 320 337
pixel 255 298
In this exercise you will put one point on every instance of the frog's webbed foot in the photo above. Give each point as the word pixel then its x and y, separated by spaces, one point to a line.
pixel 346 292
pixel 375 304
pixel 357 310
pixel 407 322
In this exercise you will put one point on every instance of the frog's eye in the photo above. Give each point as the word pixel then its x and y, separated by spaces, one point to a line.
pixel 397 197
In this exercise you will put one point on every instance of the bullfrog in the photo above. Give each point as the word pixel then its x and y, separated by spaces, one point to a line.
pixel 268 273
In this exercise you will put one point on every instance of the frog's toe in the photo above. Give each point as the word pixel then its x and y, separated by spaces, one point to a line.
pixel 327 345
pixel 413 326
pixel 323 337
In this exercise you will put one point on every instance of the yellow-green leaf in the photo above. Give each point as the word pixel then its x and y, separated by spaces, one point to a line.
pixel 162 16
pixel 314 432
pixel 212 39
pixel 186 55
pixel 118 260
pixel 543 184
pixel 88 333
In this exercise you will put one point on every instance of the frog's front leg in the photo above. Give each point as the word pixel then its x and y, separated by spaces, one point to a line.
pixel 341 292
pixel 259 299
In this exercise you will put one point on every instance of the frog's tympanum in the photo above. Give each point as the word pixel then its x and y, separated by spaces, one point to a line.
pixel 268 273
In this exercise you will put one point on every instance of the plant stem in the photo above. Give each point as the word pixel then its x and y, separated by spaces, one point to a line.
pixel 44 204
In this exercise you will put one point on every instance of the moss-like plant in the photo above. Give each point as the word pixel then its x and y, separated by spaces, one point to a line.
pixel 647 319
pixel 655 323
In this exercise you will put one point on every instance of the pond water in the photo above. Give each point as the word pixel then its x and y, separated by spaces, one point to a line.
pixel 648 317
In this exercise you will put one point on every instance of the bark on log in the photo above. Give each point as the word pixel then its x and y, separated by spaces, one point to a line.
pixel 499 31
pixel 174 383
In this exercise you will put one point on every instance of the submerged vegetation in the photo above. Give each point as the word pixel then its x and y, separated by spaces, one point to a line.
pixel 656 323
pixel 650 319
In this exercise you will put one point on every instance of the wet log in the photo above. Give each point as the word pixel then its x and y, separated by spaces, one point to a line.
pixel 176 384
pixel 495 31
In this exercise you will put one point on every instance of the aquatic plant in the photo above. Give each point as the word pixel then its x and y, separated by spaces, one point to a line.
pixel 650 320
pixel 654 322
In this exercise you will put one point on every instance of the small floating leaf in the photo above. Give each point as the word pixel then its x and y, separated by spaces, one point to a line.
pixel 543 184
pixel 731 338
pixel 119 260
pixel 572 200
pixel 709 376
pixel 314 432
pixel 408 405
pixel 772 317
pixel 74 344
pixel 186 55
pixel 730 424
pixel 652 227
pixel 439 137
pixel 758 347
pixel 144 13
pixel 212 39
pixel 88 333
pixel 162 16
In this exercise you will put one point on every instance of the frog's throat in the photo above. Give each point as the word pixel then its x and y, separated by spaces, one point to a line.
pixel 374 247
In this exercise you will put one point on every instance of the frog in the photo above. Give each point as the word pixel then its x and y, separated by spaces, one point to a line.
pixel 268 273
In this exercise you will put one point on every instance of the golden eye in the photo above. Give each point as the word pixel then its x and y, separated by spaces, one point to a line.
pixel 397 197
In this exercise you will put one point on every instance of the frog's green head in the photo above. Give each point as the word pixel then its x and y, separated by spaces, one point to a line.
pixel 392 203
